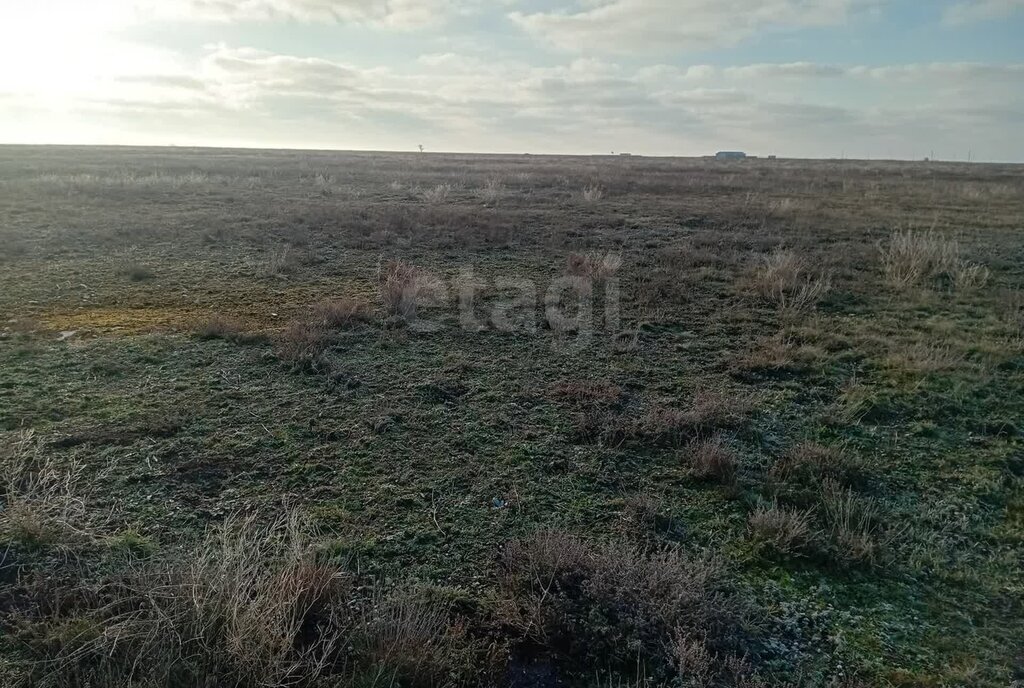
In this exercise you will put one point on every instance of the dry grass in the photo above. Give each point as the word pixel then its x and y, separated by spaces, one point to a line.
pixel 439 193
pixel 785 530
pixel 407 640
pixel 970 276
pixel 340 314
pixel 303 345
pixel 710 459
pixel 586 392
pixel 924 358
pixel 854 524
pixel 492 191
pixel 592 193
pixel 707 412
pixel 778 355
pixel 228 328
pixel 248 606
pixel 42 505
pixel 912 258
pixel 595 266
pixel 277 263
pixel 403 287
pixel 786 280
pixel 559 584
pixel 1011 308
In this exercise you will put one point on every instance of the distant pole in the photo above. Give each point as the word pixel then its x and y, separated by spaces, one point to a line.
pixel 969 154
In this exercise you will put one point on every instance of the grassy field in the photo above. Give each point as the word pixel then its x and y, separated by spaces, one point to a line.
pixel 313 419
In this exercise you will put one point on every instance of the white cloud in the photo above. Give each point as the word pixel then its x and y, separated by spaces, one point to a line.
pixel 401 14
pixel 21 17
pixel 624 26
pixel 981 10
pixel 452 101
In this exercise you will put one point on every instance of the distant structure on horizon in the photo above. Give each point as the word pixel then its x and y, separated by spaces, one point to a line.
pixel 730 155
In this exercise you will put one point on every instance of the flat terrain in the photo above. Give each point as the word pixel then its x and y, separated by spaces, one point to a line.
pixel 787 449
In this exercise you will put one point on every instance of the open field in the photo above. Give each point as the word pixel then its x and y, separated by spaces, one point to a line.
pixel 254 432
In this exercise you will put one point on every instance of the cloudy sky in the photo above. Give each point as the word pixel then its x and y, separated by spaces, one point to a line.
pixel 812 78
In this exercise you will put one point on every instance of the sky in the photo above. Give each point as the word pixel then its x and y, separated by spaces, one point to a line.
pixel 796 78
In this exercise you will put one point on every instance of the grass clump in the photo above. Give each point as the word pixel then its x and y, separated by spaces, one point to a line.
pixel 341 314
pixel 706 412
pixel 785 279
pixel 438 194
pixel 710 459
pixel 594 265
pixel 136 272
pixel 403 287
pixel 249 605
pixel 854 524
pixel 303 345
pixel 617 605
pixel 784 530
pixel 227 328
pixel 912 258
pixel 41 505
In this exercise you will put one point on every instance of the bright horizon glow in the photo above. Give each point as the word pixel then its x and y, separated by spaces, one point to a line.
pixel 798 78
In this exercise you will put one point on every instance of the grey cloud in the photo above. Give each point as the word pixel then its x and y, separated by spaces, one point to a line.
pixel 625 26
pixel 585 103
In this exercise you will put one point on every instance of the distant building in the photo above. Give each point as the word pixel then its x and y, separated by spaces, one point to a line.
pixel 730 155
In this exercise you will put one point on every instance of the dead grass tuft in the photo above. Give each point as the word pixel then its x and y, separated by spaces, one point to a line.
pixel 340 314
pixel 778 356
pixel 303 345
pixel 855 525
pixel 924 358
pixel 586 392
pixel 786 280
pixel 227 328
pixel 438 194
pixel 710 459
pixel 595 266
pixel 559 585
pixel 403 286
pixel 42 505
pixel 249 605
pixel 912 258
pixel 279 262
pixel 784 530
pixel 592 193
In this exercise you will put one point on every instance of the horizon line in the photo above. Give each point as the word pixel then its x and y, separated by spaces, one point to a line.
pixel 616 155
